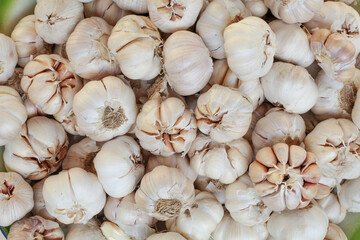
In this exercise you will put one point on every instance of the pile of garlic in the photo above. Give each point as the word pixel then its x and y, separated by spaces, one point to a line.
pixel 191 119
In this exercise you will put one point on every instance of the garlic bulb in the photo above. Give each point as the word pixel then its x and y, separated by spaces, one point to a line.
pixel 334 53
pixel 335 142
pixel 56 19
pixel 16 198
pixel 349 195
pixel 173 15
pixel 307 223
pixel 87 49
pixel 89 231
pixel 105 109
pixel 165 127
pixel 35 228
pixel 73 196
pixel 334 232
pixel 13 114
pixel 39 149
pixel 28 43
pixel 223 113
pixel 187 62
pixel 119 166
pixel 254 57
pixel 39 202
pixel 331 205
pixel 134 36
pixel 50 84
pixel 136 6
pixel 68 121
pixel 200 220
pixel 244 204
pixel 212 186
pixel 111 231
pixel 8 57
pixel 165 193
pixel 32 110
pixel 256 7
pixel 166 236
pixel 292 43
pixel 278 126
pixel 216 17
pixel 14 81
pixel 291 87
pixel 220 161
pixel 325 187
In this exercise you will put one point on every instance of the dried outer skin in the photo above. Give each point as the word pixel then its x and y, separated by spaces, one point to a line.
pixel 213 186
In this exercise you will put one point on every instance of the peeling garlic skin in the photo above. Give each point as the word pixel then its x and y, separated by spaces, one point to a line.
pixel 89 231
pixel 349 195
pixel 335 233
pixel 215 187
pixel 136 6
pixel 39 202
pixel 8 57
pixel 332 207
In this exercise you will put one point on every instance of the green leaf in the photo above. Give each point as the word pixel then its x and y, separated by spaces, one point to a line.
pixel 5 230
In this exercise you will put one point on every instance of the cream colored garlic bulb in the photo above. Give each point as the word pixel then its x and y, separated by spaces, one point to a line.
pixel 32 110
pixel 111 231
pixel 56 19
pixel 292 43
pixel 8 57
pixel 212 186
pixel 216 17
pixel 166 236
pixel 13 114
pixel 87 49
pixel 105 109
pixel 28 43
pixel 334 232
pixel 200 220
pixel 173 15
pixel 136 6
pixel 165 193
pixel 290 87
pixel 39 202
pixel 220 161
pixel 68 121
pixel 89 231
pixel 254 56
pixel 34 228
pixel 165 127
pixel 336 142
pixel 16 198
pixel 349 195
pixel 136 43
pixel 73 196
pixel 331 205
pixel 307 223
pixel 244 204
pixel 334 53
pixel 223 113
pixel 187 62
pixel 257 114
pixel 256 7
pixel 38 150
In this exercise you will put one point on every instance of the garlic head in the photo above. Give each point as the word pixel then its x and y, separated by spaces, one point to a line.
pixel 332 207
pixel 136 6
pixel 166 236
pixel 334 232
pixel 8 57
pixel 89 231
pixel 39 202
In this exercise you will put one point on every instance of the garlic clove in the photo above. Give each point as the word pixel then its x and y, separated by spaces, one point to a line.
pixel 334 232
pixel 166 236
pixel 89 231
pixel 349 195
pixel 8 57
pixel 39 202
pixel 331 205
pixel 136 6
pixel 113 232
pixel 256 7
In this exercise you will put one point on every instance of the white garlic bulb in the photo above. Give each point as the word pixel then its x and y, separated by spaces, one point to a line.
pixel 334 232
pixel 349 195
pixel 166 236
pixel 73 196
pixel 250 48
pixel 39 202
pixel 290 87
pixel 256 7
pixel 173 15
pixel 8 57
pixel 16 198
pixel 68 121
pixel 331 205
pixel 56 19
pixel 325 187
pixel 32 110
pixel 105 109
pixel 136 6
pixel 165 193
pixel 111 231
pixel 187 62
pixel 89 231
pixel 212 186
pixel 134 36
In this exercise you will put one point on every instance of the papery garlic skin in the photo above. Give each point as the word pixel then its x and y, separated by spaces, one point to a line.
pixel 165 193
pixel 166 236
pixel 105 109
pixel 224 162
pixel 173 15
pixel 349 195
pixel 35 227
pixel 212 186
pixel 111 231
pixel 73 196
pixel 187 62
pixel 39 202
pixel 199 221
pixel 331 205
pixel 14 81
pixel 28 43
pixel 136 6
pixel 256 7
pixel 39 149
pixel 291 87
pixel 68 121
pixel 89 231
pixel 8 57
pixel 16 198
pixel 254 57
pixel 314 69
pixel 56 19
pixel 310 121
pixel 257 114
pixel 334 232
pixel 325 187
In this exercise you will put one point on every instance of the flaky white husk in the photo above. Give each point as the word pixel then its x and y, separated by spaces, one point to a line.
pixel 220 161
pixel 39 149
pixel 8 57
pixel 256 7
pixel 105 109
pixel 87 49
pixel 39 202
pixel 334 232
pixel 336 142
pixel 56 19
pixel 136 6
pixel 257 114
pixel 16 198
pixel 136 43
pixel 165 193
pixel 73 196
pixel 306 223
pixel 291 87
pixel 212 186
pixel 166 236
pixel 217 16
pixel 200 220
pixel 244 204
pixel 349 195
pixel 89 231
pixel 173 15
pixel 223 113
pixel 187 62
pixel 254 57
pixel 331 205
pixel 292 43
